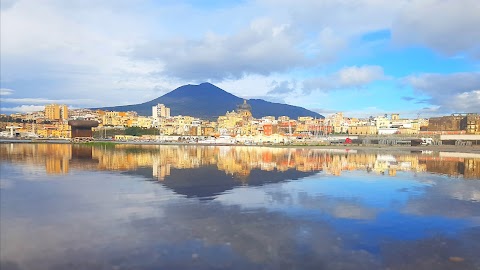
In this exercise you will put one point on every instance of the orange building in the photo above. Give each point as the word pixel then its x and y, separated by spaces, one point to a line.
pixel 268 129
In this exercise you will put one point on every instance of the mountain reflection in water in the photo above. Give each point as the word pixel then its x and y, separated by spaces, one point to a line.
pixel 221 207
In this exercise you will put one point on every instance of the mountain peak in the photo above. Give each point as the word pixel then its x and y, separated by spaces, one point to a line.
pixel 208 101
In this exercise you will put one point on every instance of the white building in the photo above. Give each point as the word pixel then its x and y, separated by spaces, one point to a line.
pixel 160 110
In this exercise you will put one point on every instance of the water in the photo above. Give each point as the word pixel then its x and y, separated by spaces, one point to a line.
pixel 207 207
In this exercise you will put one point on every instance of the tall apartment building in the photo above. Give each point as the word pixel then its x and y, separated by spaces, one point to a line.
pixel 56 112
pixel 160 110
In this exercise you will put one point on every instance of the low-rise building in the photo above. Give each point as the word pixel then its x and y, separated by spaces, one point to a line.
pixel 362 130
pixel 470 123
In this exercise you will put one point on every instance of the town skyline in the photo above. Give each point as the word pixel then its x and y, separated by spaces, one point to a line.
pixel 361 58
pixel 235 126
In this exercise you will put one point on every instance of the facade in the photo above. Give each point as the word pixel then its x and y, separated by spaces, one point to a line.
pixel 283 118
pixel 82 128
pixel 362 130
pixel 238 122
pixel 143 122
pixel 112 118
pixel 267 129
pixel 456 123
pixel 337 121
pixel 56 112
pixel 160 110
pixel 382 122
pixel 472 123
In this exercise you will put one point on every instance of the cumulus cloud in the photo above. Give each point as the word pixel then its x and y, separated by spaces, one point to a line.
pixel 348 77
pixel 349 17
pixel 77 49
pixel 327 46
pixel 465 102
pixel 262 48
pixel 5 91
pixel 456 92
pixel 74 50
pixel 448 26
pixel 358 76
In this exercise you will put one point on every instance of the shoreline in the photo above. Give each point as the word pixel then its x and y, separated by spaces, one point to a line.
pixel 475 149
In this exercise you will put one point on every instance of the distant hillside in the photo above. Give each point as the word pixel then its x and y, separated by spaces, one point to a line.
pixel 208 101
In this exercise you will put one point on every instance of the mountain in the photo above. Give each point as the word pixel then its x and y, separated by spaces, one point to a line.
pixel 208 101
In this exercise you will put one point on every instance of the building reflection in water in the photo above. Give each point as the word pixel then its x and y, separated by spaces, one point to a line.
pixel 235 161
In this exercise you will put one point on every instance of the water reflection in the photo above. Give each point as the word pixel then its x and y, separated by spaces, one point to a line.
pixel 80 207
pixel 236 161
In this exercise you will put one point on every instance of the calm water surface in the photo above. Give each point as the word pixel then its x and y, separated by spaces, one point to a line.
pixel 190 207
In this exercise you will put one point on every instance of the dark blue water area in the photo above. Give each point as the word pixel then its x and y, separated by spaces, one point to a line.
pixel 92 218
pixel 380 207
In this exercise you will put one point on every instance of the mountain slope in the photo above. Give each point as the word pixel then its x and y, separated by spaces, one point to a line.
pixel 208 101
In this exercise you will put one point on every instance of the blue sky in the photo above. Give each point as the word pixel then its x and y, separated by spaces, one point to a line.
pixel 362 57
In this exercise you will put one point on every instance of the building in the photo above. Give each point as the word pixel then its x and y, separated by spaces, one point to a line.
pixel 362 130
pixel 469 123
pixel 305 118
pixel 143 122
pixel 267 129
pixel 82 129
pixel 245 111
pixel 114 118
pixel 238 122
pixel 160 110
pixel 382 122
pixel 283 118
pixel 55 112
pixel 472 123
pixel 338 122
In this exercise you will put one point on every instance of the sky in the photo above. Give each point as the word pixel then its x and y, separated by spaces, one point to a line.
pixel 360 57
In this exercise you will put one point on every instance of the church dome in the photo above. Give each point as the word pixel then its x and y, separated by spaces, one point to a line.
pixel 245 106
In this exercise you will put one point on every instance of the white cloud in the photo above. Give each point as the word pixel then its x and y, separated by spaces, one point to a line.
pixel 354 76
pixel 79 46
pixel 465 102
pixel 449 26
pixel 349 17
pixel 445 84
pixel 23 109
pixel 456 92
pixel 123 52
pixel 328 45
pixel 249 85
pixel 262 48
pixel 5 91
pixel 358 76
